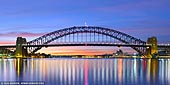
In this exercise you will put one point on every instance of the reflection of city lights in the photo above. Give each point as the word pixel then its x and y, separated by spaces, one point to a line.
pixel 111 70
pixel 88 71
pixel 160 71
pixel 61 70
pixel 120 70
pixel 107 71
pixel 103 72
pixel 134 65
pixel 134 70
pixel 115 70
pixel 5 70
pixel 98 70
pixel 65 71
pixel 18 66
pixel 81 72
pixel 85 72
pixel 69 71
pixel 73 72
pixel 168 72
pixel 94 72
pixel 10 69
pixel 148 69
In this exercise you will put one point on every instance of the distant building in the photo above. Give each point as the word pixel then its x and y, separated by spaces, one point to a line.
pixel 119 52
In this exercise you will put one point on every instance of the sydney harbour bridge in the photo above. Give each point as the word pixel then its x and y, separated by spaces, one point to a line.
pixel 86 36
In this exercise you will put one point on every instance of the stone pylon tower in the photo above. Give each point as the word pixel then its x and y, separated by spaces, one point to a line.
pixel 20 51
pixel 153 50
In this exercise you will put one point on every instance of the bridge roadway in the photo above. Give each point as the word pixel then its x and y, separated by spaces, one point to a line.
pixel 85 44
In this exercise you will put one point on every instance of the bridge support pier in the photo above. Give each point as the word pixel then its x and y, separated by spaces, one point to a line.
pixel 152 51
pixel 20 51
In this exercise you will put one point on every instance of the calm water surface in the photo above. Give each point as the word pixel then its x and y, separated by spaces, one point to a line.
pixel 63 71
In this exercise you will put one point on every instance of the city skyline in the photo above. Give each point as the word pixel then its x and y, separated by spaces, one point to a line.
pixel 32 19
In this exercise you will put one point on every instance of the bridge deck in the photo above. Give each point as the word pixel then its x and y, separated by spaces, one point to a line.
pixel 119 45
pixel 84 44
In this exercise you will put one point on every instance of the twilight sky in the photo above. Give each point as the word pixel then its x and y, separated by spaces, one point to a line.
pixel 33 18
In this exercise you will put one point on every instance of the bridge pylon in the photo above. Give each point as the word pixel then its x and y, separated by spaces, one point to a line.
pixel 20 51
pixel 152 51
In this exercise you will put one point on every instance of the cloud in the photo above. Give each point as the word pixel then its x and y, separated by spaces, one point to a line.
pixel 21 34
pixel 6 43
pixel 82 52
pixel 77 53
pixel 29 27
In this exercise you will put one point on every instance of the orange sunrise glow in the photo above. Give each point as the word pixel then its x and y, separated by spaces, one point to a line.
pixel 82 50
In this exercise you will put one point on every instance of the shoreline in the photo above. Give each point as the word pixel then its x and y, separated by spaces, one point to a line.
pixel 161 57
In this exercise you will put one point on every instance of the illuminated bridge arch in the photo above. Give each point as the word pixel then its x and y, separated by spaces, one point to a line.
pixel 125 38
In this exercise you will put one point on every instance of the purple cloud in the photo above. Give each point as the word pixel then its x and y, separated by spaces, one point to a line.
pixel 21 34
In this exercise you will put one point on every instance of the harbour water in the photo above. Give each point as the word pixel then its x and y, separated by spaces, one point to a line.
pixel 67 71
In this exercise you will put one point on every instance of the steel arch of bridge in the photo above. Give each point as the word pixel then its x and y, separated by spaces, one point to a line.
pixel 125 38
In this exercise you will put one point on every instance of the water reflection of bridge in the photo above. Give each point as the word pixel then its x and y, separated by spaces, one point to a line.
pixel 87 36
